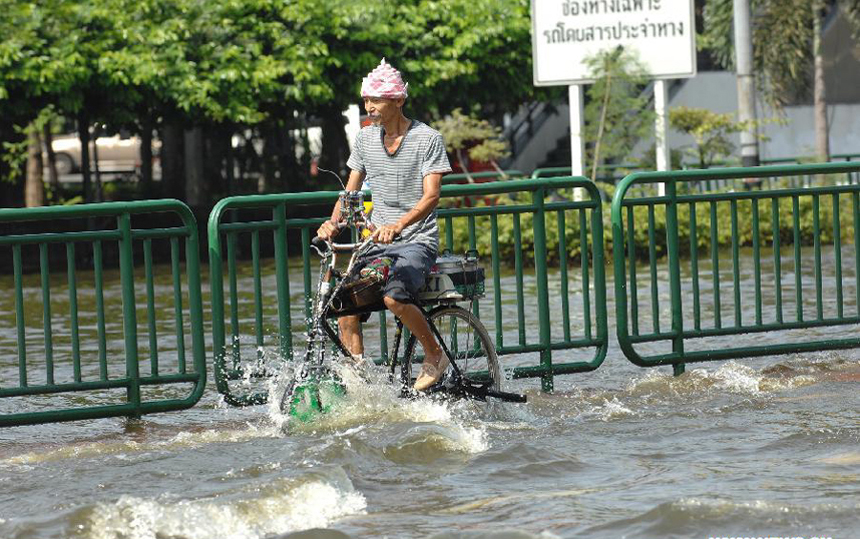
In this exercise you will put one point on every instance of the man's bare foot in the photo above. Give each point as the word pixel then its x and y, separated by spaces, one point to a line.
pixel 431 372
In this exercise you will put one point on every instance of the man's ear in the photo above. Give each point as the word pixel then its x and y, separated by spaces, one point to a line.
pixel 400 102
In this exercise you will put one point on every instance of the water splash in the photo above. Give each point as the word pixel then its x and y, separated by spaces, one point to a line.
pixel 730 377
pixel 613 409
pixel 372 400
pixel 275 509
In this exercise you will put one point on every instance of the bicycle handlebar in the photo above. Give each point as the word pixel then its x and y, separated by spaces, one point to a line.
pixel 325 244
pixel 318 242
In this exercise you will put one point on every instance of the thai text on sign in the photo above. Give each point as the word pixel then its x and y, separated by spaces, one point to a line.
pixel 566 32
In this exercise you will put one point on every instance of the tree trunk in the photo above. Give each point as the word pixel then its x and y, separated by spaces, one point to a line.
pixel 146 155
pixel 99 192
pixel 34 189
pixel 601 126
pixel 84 136
pixel 53 177
pixel 172 170
pixel 502 174
pixel 305 160
pixel 335 146
pixel 291 170
pixel 822 142
pixel 194 176
pixel 462 162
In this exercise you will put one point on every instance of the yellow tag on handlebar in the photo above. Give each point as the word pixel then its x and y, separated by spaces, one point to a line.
pixel 368 208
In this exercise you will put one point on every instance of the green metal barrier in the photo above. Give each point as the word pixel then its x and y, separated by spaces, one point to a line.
pixel 689 311
pixel 606 173
pixel 71 372
pixel 264 301
pixel 805 181
pixel 480 177
pixel 800 159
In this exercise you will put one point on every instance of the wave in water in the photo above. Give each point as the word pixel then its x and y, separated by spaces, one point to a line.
pixel 183 440
pixel 701 517
pixel 735 378
pixel 282 507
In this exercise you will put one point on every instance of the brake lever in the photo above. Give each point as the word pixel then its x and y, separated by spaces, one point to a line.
pixel 320 245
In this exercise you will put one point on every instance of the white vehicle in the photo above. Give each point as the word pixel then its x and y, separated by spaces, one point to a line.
pixel 116 154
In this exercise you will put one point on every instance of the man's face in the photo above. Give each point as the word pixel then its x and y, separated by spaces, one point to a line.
pixel 381 109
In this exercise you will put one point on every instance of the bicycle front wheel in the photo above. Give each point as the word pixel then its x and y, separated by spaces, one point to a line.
pixel 467 341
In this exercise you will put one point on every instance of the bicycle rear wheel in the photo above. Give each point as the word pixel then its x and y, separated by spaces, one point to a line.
pixel 468 342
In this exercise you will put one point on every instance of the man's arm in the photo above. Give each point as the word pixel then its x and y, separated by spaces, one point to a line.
pixel 429 200
pixel 329 228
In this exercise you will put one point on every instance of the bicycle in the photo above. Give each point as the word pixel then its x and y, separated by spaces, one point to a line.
pixel 473 370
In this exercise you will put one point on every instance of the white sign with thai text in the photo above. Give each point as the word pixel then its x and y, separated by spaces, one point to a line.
pixel 566 32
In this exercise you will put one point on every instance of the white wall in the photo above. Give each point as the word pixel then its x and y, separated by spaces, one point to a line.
pixel 717 91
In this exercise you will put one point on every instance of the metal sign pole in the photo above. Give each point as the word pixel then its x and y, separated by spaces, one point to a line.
pixel 661 144
pixel 577 148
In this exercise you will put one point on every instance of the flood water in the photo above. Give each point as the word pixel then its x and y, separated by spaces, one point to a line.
pixel 759 447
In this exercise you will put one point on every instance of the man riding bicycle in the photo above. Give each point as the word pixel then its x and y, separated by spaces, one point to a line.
pixel 402 160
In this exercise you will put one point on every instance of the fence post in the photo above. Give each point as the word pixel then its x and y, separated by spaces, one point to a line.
pixel 129 312
pixel 674 273
pixel 283 280
pixel 539 227
pixel 216 280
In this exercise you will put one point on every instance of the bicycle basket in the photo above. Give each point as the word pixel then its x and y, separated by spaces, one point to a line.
pixel 455 278
pixel 359 293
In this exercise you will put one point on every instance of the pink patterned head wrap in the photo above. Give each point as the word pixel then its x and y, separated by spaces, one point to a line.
pixel 384 81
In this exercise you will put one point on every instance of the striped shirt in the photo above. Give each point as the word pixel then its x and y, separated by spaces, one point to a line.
pixel 396 180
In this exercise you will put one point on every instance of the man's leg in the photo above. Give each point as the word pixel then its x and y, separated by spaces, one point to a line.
pixel 407 275
pixel 350 334
pixel 350 326
pixel 414 320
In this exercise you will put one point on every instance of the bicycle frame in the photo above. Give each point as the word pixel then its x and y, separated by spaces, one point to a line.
pixel 320 331
pixel 323 305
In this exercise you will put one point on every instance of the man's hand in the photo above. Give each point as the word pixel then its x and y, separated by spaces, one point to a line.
pixel 328 230
pixel 386 233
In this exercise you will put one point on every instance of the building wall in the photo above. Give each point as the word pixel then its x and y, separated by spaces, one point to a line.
pixel 788 133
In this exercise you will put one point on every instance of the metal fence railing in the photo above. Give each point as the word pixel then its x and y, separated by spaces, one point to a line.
pixel 104 301
pixel 263 301
pixel 802 270
pixel 72 345
pixel 481 177
pixel 605 173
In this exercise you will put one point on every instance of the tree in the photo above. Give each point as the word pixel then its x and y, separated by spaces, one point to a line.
pixel 711 132
pixel 618 113
pixel 34 188
pixel 472 55
pixel 478 138
pixel 786 49
pixel 265 67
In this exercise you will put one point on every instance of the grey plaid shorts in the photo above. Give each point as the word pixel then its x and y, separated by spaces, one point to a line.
pixel 410 266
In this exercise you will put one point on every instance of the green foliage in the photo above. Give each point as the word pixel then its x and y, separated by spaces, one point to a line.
pixel 482 140
pixel 239 59
pixel 13 155
pixel 617 113
pixel 459 130
pixel 782 35
pixel 258 66
pixel 711 132
pixel 648 159
pixel 490 150
pixel 722 227
pixel 507 234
